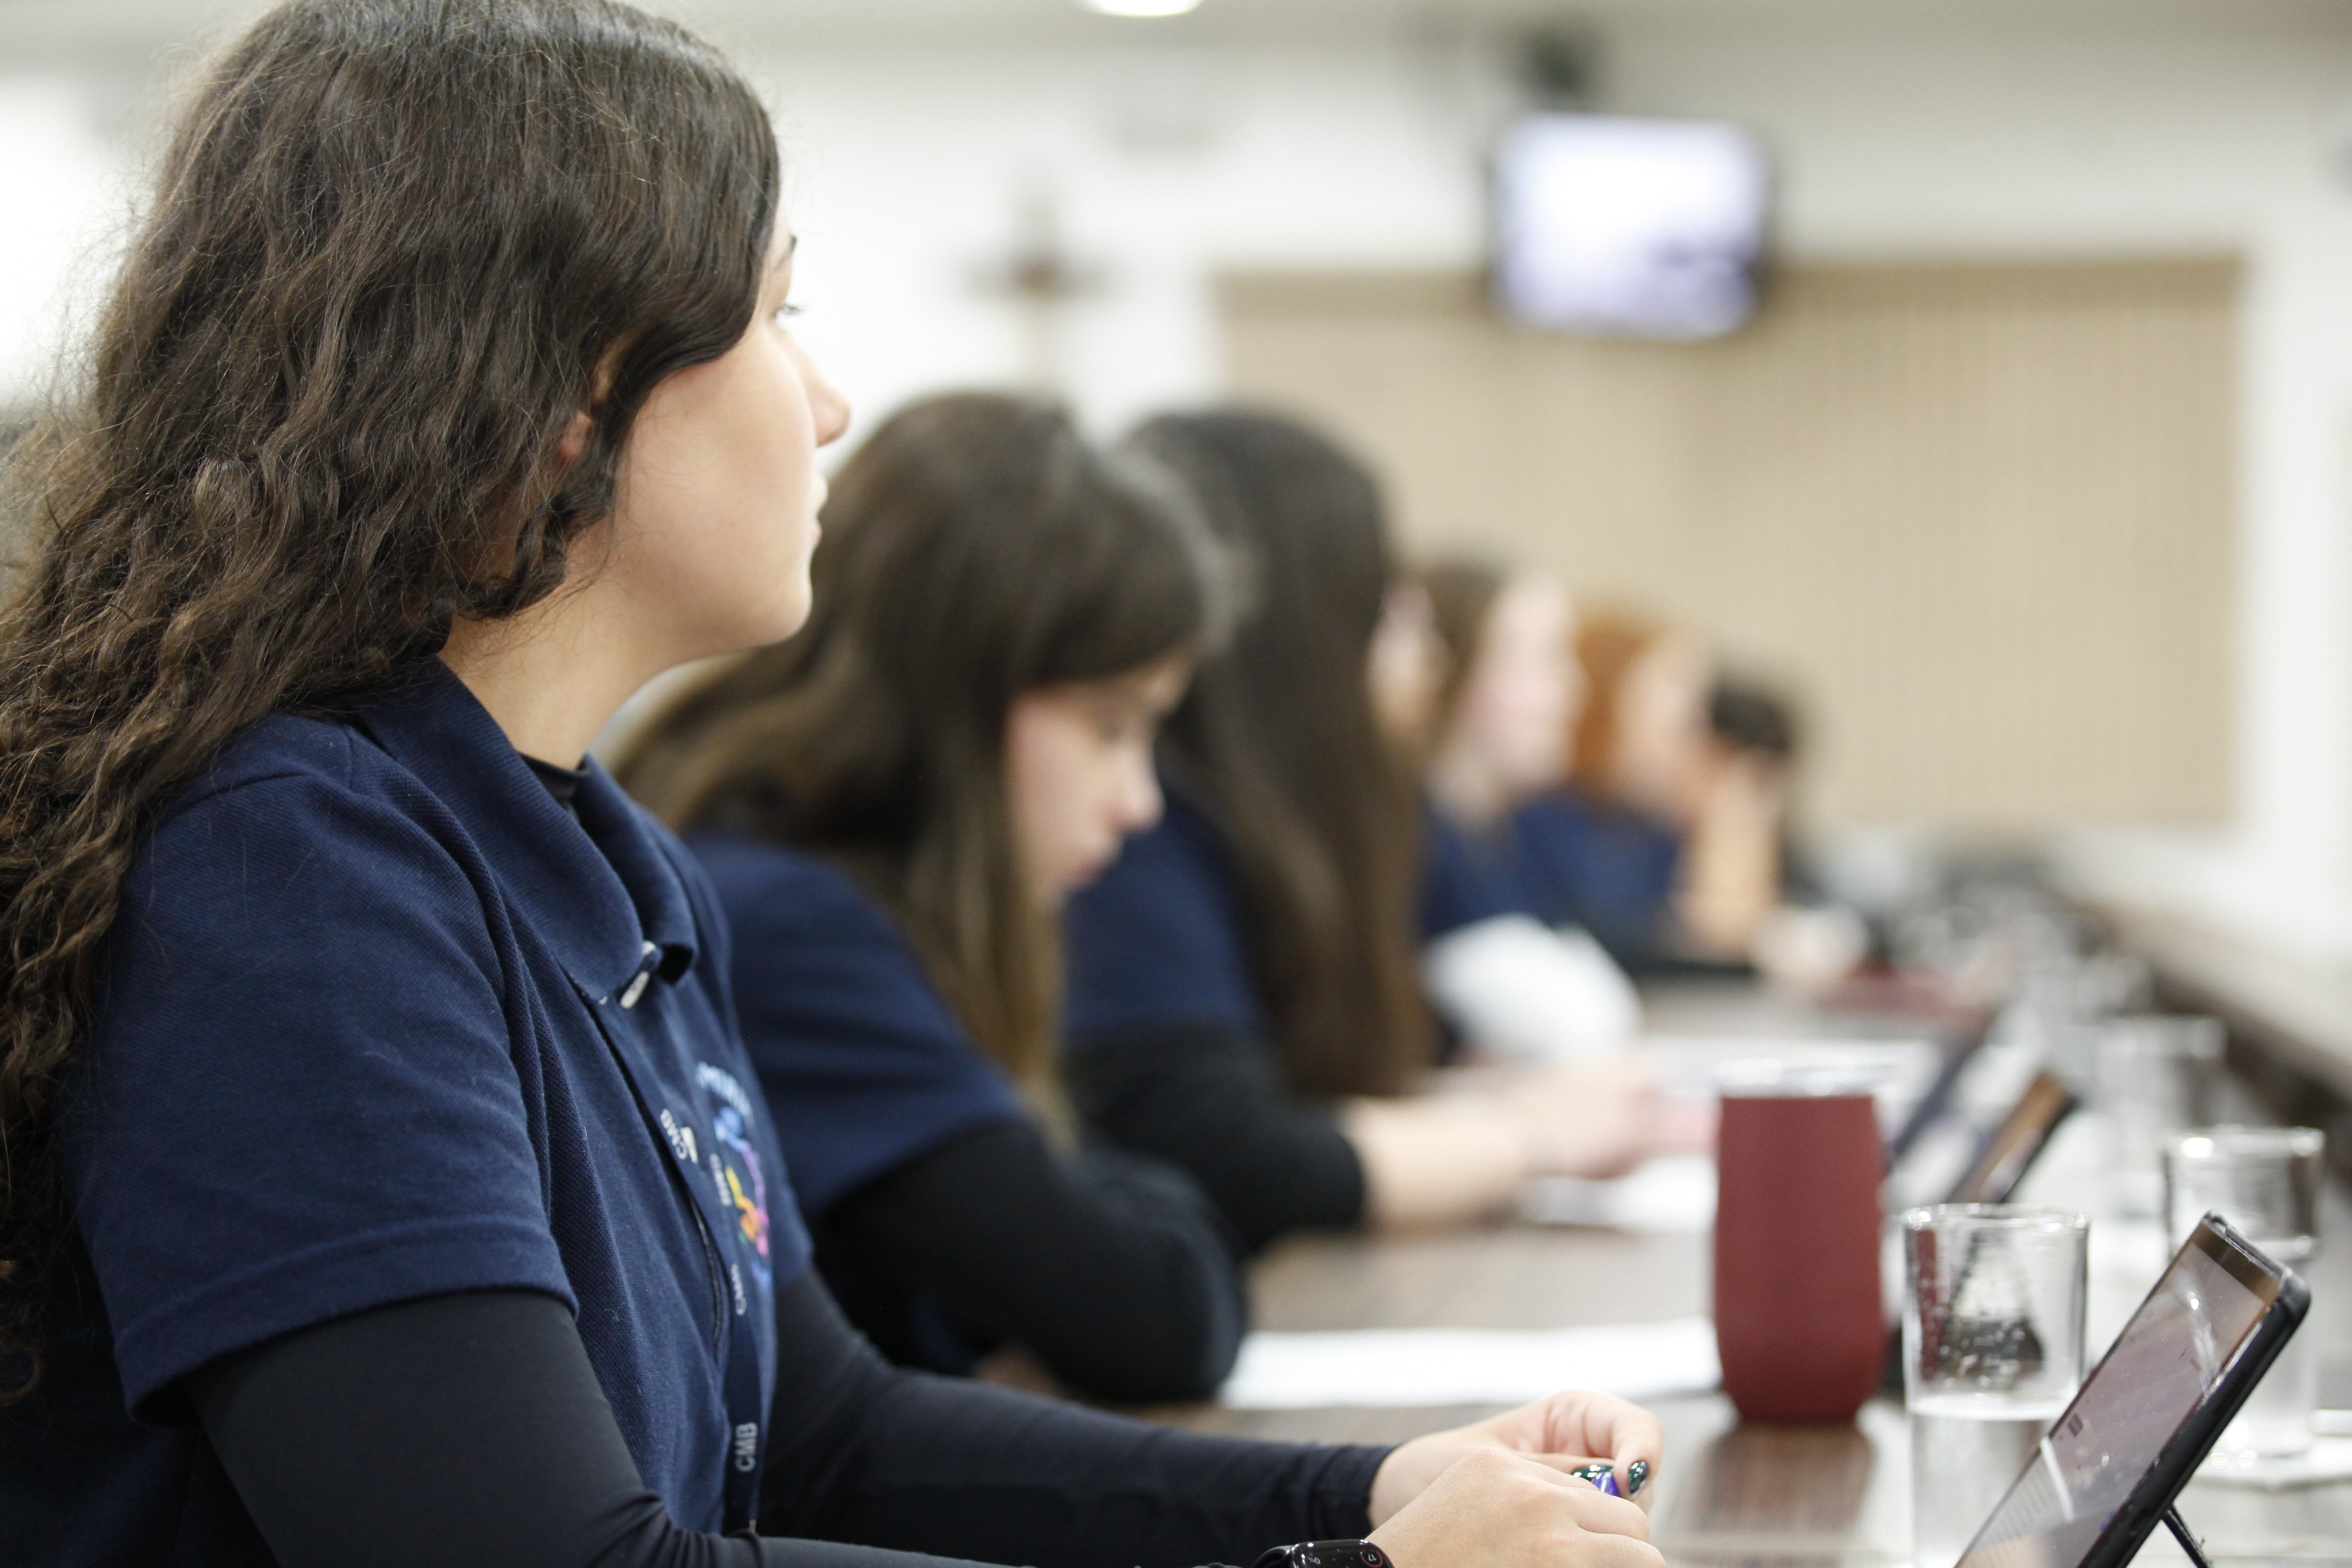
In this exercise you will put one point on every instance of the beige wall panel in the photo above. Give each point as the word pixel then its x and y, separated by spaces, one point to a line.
pixel 1977 517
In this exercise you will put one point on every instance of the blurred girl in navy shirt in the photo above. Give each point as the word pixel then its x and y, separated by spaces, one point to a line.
pixel 1245 995
pixel 1504 688
pixel 893 806
pixel 1664 842
pixel 382 1180
pixel 1669 839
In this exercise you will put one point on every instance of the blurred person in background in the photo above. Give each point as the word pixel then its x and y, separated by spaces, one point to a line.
pixel 1667 841
pixel 1502 689
pixel 1245 996
pixel 1807 941
pixel 1666 856
pixel 893 806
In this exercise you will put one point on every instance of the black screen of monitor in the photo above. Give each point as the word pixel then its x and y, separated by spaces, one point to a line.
pixel 2162 1367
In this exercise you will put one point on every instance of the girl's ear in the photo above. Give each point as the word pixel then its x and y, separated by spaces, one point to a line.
pixel 574 439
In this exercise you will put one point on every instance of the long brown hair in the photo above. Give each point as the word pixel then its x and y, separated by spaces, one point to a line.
pixel 975 548
pixel 1608 643
pixel 1461 595
pixel 393 247
pixel 1279 744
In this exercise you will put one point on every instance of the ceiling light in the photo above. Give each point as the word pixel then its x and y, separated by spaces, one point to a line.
pixel 1141 7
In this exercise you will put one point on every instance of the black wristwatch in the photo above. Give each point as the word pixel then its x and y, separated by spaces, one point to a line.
pixel 1323 1555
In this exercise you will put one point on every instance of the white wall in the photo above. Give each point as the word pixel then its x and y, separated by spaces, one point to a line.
pixel 910 169
pixel 1927 127
pixel 62 190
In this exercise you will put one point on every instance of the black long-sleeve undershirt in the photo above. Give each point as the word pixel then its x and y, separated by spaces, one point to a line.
pixel 1116 1273
pixel 1211 1100
pixel 470 1430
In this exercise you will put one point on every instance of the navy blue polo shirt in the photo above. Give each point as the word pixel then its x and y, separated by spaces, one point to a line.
pixel 1460 884
pixel 1161 939
pixel 379 1020
pixel 1611 870
pixel 864 1063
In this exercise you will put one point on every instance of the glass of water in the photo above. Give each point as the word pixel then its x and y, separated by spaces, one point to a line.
pixel 1992 1348
pixel 2265 1182
pixel 2155 1078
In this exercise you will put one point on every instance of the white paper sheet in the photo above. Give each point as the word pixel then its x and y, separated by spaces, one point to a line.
pixel 1406 1367
pixel 1674 1195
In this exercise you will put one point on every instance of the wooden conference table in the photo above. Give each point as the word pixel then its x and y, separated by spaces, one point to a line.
pixel 1728 1493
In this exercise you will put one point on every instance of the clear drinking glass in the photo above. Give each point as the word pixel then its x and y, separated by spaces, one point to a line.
pixel 1992 1348
pixel 2155 1078
pixel 2066 1005
pixel 2264 1181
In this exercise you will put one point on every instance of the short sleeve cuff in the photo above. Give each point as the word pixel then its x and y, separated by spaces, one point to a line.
pixel 301 1289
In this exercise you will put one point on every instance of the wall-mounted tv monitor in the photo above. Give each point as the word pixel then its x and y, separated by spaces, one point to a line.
pixel 1629 228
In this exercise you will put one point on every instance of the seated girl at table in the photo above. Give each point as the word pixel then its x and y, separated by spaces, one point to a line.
pixel 381 1176
pixel 893 805
pixel 1665 842
pixel 1505 690
pixel 1244 995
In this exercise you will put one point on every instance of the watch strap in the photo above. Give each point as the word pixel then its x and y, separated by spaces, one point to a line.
pixel 1324 1554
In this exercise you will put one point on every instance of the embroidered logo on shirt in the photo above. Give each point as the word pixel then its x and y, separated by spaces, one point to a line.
pixel 721 1082
pixel 749 1200
pixel 681 1138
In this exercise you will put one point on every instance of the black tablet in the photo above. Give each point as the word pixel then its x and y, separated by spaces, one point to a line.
pixel 2001 1164
pixel 2109 1467
pixel 1960 1049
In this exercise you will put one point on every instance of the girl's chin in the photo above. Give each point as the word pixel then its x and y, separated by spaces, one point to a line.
pixel 786 618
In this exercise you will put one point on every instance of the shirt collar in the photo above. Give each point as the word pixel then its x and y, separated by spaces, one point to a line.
pixel 599 892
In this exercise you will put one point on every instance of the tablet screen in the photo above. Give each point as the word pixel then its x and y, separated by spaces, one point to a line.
pixel 2161 1368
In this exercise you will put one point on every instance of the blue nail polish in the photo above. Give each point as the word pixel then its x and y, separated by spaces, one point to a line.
pixel 1637 1476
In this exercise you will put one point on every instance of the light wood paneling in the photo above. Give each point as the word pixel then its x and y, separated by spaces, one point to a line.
pixel 1977 517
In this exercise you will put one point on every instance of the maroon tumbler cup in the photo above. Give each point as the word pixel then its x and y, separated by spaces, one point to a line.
pixel 1798 1318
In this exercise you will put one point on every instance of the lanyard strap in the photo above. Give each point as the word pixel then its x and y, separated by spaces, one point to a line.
pixel 702 1171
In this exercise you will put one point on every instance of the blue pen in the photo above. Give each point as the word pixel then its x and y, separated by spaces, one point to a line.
pixel 1605 1476
pixel 1602 1475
